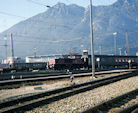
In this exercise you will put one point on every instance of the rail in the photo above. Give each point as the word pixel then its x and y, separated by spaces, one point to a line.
pixel 53 77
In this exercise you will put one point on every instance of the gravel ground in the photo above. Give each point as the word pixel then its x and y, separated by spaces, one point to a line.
pixel 83 101
pixel 7 94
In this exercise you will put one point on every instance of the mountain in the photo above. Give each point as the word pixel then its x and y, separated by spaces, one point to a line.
pixel 120 17
pixel 66 27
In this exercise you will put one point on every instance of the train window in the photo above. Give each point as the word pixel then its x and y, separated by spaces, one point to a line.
pixel 116 60
pixel 126 60
pixel 123 60
pixel 132 60
pixel 119 60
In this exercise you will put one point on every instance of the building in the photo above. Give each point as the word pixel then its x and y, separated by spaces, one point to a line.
pixel 43 58
pixel 16 60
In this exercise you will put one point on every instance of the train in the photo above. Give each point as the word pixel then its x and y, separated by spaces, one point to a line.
pixel 101 62
pixel 19 67
pixel 77 62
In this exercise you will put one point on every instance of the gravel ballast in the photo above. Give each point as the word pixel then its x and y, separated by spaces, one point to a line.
pixel 7 94
pixel 83 101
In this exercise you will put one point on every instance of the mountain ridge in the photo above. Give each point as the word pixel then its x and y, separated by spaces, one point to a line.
pixel 63 26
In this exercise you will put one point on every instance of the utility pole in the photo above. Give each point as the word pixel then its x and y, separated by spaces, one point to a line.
pixel 115 42
pixel 12 52
pixel 5 47
pixel 127 44
pixel 92 44
pixel 34 52
pixel 120 51
pixel 100 50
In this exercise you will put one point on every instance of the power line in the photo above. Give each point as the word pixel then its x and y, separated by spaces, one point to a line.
pixel 38 38
pixel 96 34
pixel 9 14
pixel 69 26
pixel 59 41
pixel 38 3
pixel 50 41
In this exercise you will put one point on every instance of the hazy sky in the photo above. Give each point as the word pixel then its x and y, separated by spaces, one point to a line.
pixel 14 11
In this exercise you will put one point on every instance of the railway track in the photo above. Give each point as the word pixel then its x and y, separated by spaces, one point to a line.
pixel 25 75
pixel 57 76
pixel 107 106
pixel 130 109
pixel 30 102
